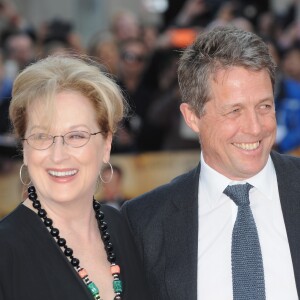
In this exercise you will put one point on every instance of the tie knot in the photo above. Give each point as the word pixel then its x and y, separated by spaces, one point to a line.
pixel 239 193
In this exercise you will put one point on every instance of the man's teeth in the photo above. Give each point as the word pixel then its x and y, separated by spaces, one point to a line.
pixel 247 146
pixel 62 174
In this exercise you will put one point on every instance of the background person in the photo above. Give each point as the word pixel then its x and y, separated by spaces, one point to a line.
pixel 60 243
pixel 112 187
pixel 183 230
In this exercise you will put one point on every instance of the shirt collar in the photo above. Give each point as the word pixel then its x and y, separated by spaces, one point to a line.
pixel 211 183
pixel 215 183
pixel 264 180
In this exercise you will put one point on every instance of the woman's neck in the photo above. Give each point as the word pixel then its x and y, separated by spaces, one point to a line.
pixel 76 216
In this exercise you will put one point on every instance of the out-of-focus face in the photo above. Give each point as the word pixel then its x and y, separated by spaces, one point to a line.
pixel 21 49
pixel 133 59
pixel 238 128
pixel 62 173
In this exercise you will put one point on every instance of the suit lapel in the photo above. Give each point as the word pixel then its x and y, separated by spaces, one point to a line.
pixel 181 237
pixel 289 193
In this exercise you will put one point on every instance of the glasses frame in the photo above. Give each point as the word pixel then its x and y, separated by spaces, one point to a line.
pixel 63 138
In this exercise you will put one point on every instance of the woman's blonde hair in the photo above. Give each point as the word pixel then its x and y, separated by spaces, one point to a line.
pixel 43 80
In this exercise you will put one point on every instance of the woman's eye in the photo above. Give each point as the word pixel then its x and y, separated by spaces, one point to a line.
pixel 76 135
pixel 42 136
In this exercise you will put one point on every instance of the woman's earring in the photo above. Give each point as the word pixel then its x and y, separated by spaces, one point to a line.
pixel 111 174
pixel 21 179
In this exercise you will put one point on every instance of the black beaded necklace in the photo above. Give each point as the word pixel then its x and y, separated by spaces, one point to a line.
pixel 111 257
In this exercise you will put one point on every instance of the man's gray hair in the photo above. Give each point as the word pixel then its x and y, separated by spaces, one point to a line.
pixel 220 48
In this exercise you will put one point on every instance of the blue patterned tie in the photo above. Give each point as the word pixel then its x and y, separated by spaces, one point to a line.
pixel 246 259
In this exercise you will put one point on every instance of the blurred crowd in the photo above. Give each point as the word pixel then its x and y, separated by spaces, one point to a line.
pixel 142 58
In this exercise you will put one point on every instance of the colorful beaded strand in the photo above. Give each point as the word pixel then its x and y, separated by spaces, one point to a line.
pixel 111 257
pixel 115 269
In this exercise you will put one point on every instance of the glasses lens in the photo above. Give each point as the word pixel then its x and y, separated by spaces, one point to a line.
pixel 40 141
pixel 77 138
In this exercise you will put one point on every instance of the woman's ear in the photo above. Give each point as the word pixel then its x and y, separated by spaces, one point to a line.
pixel 24 156
pixel 107 149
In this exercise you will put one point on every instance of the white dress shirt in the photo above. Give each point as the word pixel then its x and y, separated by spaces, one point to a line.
pixel 217 214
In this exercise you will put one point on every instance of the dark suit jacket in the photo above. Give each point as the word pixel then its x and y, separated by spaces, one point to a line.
pixel 165 226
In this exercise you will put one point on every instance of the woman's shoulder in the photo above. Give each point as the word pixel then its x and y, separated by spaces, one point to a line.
pixel 19 227
pixel 116 223
pixel 111 212
pixel 11 221
pixel 112 216
pixel 12 235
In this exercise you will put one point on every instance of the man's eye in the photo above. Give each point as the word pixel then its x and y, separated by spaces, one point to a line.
pixel 234 111
pixel 266 106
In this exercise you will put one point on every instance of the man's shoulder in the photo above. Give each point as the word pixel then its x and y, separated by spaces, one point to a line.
pixel 285 161
pixel 162 195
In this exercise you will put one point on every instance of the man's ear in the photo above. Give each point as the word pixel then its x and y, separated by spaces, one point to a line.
pixel 190 117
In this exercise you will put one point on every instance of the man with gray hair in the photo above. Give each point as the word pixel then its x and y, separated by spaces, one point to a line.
pixel 230 228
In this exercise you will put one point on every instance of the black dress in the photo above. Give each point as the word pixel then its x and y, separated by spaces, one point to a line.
pixel 33 267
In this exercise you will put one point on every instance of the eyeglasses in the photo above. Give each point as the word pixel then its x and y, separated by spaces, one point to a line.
pixel 43 141
pixel 133 57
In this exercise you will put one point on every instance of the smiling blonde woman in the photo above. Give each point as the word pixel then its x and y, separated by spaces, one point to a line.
pixel 60 243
